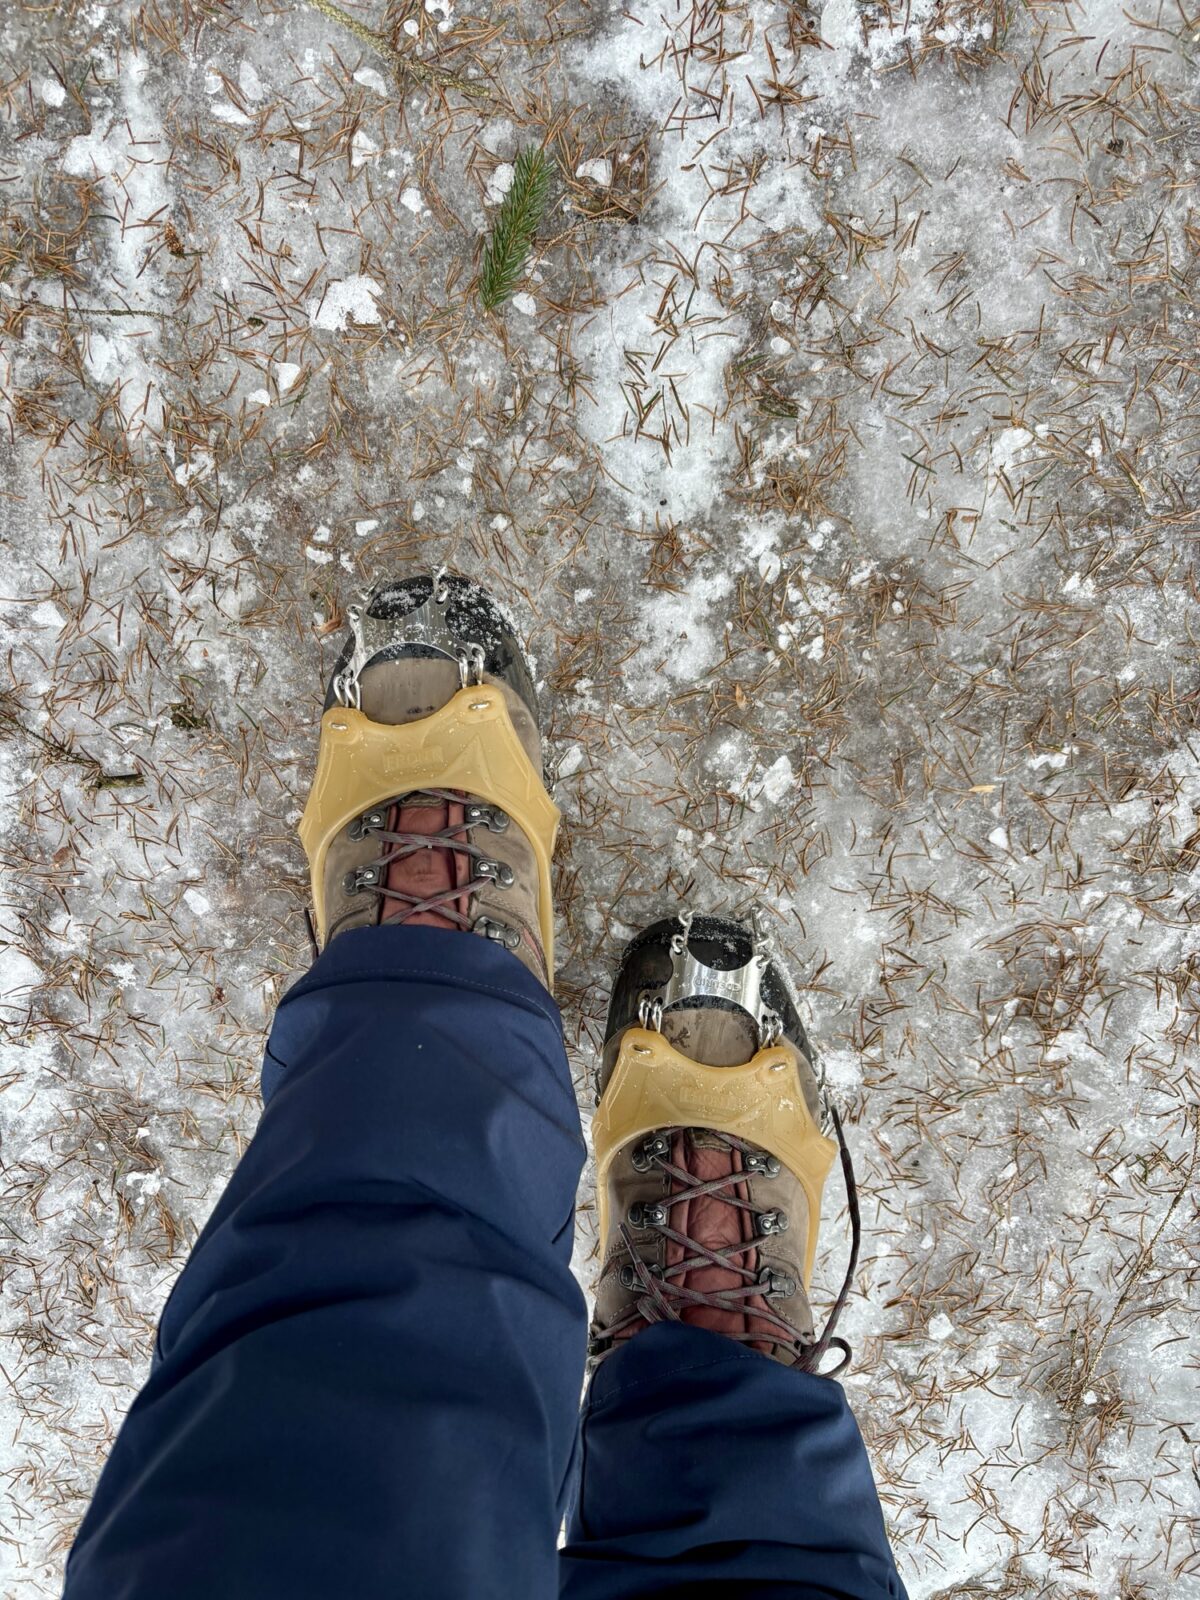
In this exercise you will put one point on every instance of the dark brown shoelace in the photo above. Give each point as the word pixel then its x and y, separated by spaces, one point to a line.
pixel 664 1296
pixel 400 905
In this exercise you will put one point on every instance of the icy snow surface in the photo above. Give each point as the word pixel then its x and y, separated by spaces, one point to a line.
pixel 838 457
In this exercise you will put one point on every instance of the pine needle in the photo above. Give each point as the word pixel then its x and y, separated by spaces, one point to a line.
pixel 516 225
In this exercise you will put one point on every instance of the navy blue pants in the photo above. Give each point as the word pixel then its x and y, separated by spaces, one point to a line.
pixel 368 1374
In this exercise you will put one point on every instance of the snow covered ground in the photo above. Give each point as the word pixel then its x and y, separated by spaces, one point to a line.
pixel 839 459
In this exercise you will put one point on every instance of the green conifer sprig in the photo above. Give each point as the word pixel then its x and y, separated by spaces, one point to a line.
pixel 516 224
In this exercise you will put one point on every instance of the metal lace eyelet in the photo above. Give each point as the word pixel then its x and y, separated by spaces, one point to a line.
pixel 651 1149
pixel 772 1222
pixel 369 822
pixel 760 1161
pixel 501 932
pixel 776 1285
pixel 629 1278
pixel 362 878
pixel 498 871
pixel 491 817
pixel 647 1214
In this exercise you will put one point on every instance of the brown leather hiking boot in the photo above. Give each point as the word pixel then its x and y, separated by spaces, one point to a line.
pixel 710 1158
pixel 428 805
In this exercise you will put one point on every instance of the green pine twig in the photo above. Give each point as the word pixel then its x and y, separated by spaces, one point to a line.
pixel 516 225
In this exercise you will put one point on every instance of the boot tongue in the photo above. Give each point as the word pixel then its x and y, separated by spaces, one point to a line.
pixel 425 873
pixel 712 1222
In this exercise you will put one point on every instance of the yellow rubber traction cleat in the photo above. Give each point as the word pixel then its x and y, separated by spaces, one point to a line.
pixel 470 744
pixel 654 1086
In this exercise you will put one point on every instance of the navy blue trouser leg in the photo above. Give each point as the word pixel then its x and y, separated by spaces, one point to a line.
pixel 710 1470
pixel 368 1374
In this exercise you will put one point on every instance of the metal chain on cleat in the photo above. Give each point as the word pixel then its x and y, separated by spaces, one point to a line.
pixel 425 625
pixel 692 979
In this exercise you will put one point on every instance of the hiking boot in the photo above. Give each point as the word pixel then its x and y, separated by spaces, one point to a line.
pixel 428 806
pixel 710 1156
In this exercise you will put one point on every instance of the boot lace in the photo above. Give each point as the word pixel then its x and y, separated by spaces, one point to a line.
pixel 400 845
pixel 664 1295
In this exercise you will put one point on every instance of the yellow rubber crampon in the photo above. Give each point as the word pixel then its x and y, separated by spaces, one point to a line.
pixel 654 1086
pixel 470 744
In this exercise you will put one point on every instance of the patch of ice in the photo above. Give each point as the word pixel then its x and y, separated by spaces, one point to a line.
pixel 1008 445
pixel 840 26
pixel 370 79
pixel 362 149
pixel 843 1070
pixel 940 1327
pixel 19 976
pixel 224 111
pixel 52 92
pixel 778 780
pixel 46 615
pixel 101 357
pixel 681 634
pixel 199 466
pixel 249 81
pixel 346 300
pixel 499 183
pixel 599 171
